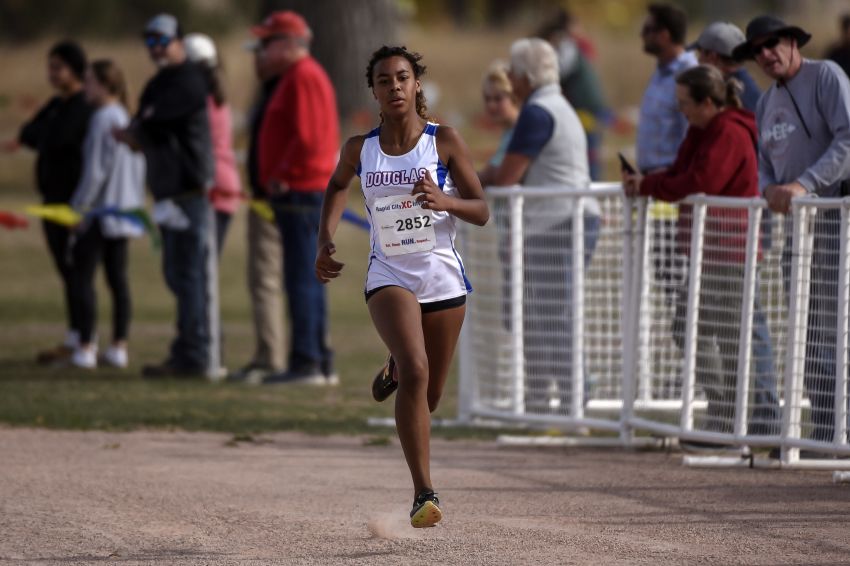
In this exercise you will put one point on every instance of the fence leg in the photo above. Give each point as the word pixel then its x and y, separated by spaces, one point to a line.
pixel 517 284
pixel 629 313
pixel 798 314
pixel 643 379
pixel 746 336
pixel 578 306
pixel 841 333
pixel 214 370
pixel 694 277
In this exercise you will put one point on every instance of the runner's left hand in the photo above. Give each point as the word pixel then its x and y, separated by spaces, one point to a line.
pixel 430 195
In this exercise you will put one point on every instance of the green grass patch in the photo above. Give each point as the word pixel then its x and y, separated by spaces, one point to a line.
pixel 32 309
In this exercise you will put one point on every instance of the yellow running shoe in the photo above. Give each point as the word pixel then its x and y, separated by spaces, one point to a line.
pixel 426 510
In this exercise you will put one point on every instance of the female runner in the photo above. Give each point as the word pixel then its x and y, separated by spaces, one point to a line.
pixel 416 178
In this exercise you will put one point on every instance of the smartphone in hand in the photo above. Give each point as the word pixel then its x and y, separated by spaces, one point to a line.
pixel 625 165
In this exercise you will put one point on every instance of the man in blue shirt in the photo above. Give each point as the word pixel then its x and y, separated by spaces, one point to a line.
pixel 661 127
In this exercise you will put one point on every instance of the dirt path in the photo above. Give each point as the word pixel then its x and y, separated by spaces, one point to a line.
pixel 186 498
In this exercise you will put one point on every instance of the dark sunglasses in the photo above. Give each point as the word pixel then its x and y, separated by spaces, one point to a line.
pixel 769 44
pixel 266 41
pixel 157 40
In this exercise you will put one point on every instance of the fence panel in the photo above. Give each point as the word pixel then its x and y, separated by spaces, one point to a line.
pixel 536 355
pixel 712 320
pixel 817 417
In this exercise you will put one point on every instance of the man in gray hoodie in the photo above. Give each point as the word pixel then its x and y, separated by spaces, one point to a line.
pixel 804 148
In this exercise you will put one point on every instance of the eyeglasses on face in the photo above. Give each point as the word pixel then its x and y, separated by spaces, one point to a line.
pixel 266 41
pixel 157 41
pixel 768 44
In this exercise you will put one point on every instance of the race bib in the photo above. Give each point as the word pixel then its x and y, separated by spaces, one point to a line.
pixel 403 226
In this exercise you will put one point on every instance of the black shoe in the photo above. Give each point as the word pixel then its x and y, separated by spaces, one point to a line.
pixel 384 385
pixel 303 376
pixel 169 369
pixel 426 510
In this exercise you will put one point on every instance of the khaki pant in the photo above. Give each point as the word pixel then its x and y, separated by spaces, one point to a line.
pixel 265 282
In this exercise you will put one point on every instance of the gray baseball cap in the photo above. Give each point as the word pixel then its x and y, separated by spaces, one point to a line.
pixel 165 25
pixel 719 37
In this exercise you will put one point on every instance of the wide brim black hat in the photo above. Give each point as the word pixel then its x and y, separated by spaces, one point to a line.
pixel 768 26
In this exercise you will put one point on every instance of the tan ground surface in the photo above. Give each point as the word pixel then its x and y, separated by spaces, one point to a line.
pixel 181 498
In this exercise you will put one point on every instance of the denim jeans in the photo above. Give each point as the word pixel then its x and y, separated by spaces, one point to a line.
pixel 720 297
pixel 184 264
pixel 766 418
pixel 297 215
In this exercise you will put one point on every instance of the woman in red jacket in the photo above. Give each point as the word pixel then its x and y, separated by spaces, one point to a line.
pixel 717 157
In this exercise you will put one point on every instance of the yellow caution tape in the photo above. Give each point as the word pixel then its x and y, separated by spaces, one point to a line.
pixel 57 213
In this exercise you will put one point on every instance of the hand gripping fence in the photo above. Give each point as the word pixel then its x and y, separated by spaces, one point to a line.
pixel 711 320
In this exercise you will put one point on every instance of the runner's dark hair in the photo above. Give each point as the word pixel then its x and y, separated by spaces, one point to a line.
pixel 385 52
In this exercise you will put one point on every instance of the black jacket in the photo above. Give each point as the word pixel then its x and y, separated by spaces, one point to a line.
pixel 256 120
pixel 57 133
pixel 174 131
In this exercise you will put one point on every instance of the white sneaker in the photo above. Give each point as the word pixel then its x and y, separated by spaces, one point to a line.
pixel 115 357
pixel 84 358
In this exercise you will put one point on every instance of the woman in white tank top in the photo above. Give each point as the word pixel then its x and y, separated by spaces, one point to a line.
pixel 417 178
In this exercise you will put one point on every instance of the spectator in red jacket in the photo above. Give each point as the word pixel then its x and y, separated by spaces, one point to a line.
pixel 717 157
pixel 298 148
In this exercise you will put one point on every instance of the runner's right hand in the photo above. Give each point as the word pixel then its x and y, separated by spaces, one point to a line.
pixel 327 268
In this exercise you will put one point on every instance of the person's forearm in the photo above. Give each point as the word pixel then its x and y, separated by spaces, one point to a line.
pixel 832 167
pixel 333 205
pixel 473 210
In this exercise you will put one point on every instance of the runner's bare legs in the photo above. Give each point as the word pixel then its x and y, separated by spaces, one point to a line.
pixel 422 347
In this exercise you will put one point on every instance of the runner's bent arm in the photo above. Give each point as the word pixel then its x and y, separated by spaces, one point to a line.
pixel 333 205
pixel 471 206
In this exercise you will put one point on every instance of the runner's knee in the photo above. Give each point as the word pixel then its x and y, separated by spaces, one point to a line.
pixel 413 372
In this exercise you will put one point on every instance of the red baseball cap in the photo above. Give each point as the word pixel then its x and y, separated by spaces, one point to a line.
pixel 285 22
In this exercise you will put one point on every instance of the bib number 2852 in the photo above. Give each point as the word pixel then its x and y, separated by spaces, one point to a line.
pixel 403 226
pixel 415 223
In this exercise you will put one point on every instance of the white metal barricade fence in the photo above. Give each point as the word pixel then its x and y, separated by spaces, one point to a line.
pixel 714 321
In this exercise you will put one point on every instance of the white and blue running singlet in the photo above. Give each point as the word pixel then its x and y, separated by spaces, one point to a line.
pixel 412 247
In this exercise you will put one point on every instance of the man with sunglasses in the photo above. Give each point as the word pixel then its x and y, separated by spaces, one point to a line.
pixel 804 148
pixel 661 130
pixel 172 130
pixel 661 127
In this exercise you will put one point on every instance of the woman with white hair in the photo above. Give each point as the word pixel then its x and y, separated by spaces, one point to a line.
pixel 548 150
pixel 225 194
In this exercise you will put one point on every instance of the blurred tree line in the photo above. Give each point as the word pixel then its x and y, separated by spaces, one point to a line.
pixel 23 20
pixel 346 32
